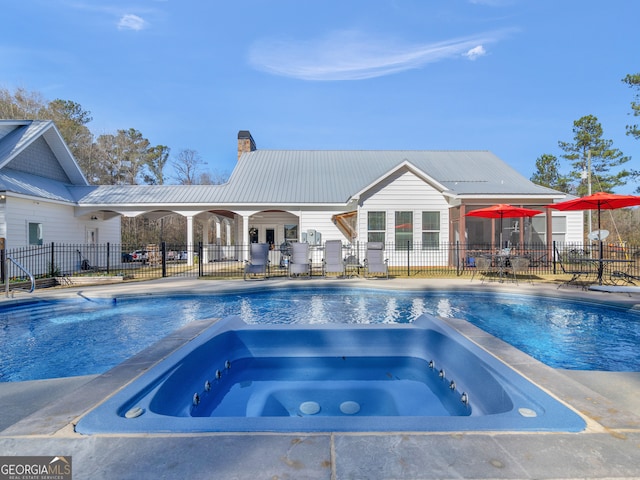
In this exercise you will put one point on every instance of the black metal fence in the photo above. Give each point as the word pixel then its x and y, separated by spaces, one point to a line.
pixel 67 261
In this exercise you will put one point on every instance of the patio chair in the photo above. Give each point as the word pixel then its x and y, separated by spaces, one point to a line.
pixel 520 265
pixel 333 261
pixel 374 261
pixel 484 267
pixel 258 263
pixel 577 271
pixel 300 262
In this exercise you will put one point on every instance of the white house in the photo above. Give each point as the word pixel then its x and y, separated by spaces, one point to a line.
pixel 401 197
pixel 37 201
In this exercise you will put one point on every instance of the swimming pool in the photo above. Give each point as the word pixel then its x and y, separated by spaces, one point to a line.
pixel 91 335
pixel 420 376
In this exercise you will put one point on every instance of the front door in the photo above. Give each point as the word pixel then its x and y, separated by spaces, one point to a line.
pixel 270 237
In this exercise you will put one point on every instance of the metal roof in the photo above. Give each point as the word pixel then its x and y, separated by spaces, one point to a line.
pixel 149 194
pixel 271 177
pixel 23 183
pixel 289 177
pixel 17 135
pixel 334 176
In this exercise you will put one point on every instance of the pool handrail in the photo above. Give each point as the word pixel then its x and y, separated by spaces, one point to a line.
pixel 21 267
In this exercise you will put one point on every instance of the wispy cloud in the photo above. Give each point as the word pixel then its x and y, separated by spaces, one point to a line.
pixel 352 55
pixel 131 22
pixel 476 52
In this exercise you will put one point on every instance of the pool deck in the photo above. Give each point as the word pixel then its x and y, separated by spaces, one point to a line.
pixel 37 417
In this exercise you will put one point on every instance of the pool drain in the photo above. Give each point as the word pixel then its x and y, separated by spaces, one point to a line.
pixel 349 407
pixel 309 408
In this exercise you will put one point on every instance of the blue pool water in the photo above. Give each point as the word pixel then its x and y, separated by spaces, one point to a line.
pixel 89 336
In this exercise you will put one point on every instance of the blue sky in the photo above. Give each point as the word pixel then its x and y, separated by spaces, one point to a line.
pixel 509 76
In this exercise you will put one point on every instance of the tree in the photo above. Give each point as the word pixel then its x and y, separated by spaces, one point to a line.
pixel 157 158
pixel 634 130
pixel 548 173
pixel 22 105
pixel 71 120
pixel 215 178
pixel 188 166
pixel 588 145
pixel 122 156
pixel 634 82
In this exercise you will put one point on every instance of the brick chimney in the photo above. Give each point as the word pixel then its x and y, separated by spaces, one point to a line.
pixel 245 142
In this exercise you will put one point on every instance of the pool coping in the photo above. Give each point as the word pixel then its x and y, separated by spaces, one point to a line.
pixel 612 434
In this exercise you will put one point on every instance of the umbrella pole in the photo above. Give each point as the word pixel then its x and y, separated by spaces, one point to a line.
pixel 600 263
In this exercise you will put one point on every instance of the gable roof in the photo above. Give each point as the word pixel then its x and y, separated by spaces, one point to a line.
pixel 30 146
pixel 334 176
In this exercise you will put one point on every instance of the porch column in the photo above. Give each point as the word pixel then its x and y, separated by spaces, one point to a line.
pixel 245 237
pixel 205 242
pixel 189 240
pixel 217 240
pixel 462 233
pixel 227 230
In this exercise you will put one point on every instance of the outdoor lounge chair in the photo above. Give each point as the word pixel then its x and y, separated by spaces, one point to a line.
pixel 333 261
pixel 258 264
pixel 375 261
pixel 300 263
pixel 576 270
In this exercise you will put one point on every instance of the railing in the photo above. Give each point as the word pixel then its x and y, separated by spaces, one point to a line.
pixel 62 261
pixel 32 280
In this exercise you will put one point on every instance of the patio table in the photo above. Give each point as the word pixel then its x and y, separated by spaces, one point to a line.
pixel 601 264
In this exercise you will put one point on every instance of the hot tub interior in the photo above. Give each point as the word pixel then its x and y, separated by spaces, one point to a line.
pixel 423 376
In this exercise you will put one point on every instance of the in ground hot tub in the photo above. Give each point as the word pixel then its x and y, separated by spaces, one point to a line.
pixel 423 376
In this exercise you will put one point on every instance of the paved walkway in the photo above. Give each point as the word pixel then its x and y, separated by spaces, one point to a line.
pixel 37 419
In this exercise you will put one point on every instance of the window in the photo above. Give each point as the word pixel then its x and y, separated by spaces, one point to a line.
pixel 539 228
pixel 376 226
pixel 404 230
pixel 35 234
pixel 430 230
pixel 291 233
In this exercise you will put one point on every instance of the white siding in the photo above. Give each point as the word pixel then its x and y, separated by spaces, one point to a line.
pixel 320 221
pixel 59 226
pixel 404 192
pixel 574 233
pixel 58 222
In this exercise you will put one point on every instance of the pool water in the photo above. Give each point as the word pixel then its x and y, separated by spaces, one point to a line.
pixel 88 336
pixel 282 386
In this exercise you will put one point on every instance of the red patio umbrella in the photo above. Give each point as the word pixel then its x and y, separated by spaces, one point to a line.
pixel 501 211
pixel 598 201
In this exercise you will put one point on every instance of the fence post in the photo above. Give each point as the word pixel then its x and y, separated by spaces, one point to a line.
pixel 200 250
pixel 52 270
pixel 554 257
pixel 163 253
pixel 408 258
pixel 108 256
